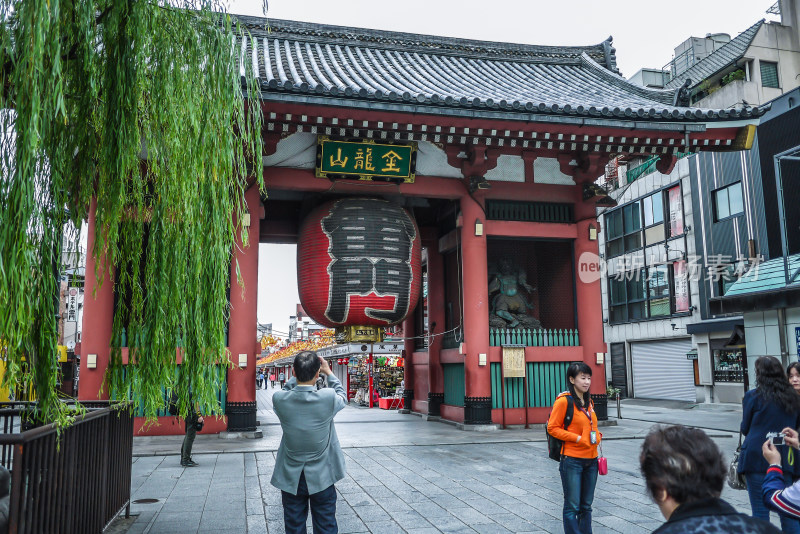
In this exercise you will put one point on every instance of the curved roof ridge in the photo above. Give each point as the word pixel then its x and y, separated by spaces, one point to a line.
pixel 346 35
pixel 664 96
pixel 720 58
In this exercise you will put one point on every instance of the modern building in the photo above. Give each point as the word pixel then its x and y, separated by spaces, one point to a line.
pixel 649 297
pixel 753 68
pixel 503 144
pixel 698 347
pixel 769 296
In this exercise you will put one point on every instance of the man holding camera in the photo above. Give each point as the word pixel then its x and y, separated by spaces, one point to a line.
pixel 777 496
pixel 309 460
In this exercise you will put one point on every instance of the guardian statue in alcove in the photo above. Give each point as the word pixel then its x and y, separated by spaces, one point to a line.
pixel 510 308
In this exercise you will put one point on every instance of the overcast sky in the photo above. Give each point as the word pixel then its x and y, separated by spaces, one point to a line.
pixel 645 33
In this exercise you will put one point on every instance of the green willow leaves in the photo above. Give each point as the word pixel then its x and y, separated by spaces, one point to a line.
pixel 134 113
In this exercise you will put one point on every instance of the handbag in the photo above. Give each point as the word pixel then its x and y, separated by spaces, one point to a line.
pixel 198 426
pixel 736 479
pixel 602 463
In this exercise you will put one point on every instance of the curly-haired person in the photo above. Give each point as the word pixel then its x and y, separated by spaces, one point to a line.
pixel 684 472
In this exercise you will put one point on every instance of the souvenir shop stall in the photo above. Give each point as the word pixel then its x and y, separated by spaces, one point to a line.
pixel 372 373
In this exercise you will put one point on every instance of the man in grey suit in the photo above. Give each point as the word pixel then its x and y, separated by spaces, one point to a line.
pixel 310 460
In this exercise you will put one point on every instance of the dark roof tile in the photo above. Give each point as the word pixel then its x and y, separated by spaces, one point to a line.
pixel 298 57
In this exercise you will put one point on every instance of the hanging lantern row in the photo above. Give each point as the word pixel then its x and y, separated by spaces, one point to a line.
pixel 343 361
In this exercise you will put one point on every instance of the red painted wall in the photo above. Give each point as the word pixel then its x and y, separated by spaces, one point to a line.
pixel 171 426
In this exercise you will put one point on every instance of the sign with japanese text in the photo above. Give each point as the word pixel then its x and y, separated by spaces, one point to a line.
pixel 359 266
pixel 675 211
pixel 681 286
pixel 72 304
pixel 797 339
pixel 365 159
pixel 513 362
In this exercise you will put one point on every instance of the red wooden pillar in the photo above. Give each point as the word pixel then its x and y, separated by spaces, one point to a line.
pixel 587 293
pixel 98 318
pixel 241 405
pixel 436 324
pixel 478 392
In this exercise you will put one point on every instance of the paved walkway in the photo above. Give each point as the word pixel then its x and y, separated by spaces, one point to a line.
pixel 408 475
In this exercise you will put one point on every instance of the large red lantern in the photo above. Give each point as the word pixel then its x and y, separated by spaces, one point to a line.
pixel 359 263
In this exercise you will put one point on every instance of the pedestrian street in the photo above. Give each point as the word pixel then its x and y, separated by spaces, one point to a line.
pixel 405 475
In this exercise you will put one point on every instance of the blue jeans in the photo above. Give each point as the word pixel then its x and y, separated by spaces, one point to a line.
pixel 760 510
pixel 578 477
pixel 323 509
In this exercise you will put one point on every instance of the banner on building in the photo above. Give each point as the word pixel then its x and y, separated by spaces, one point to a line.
pixel 675 211
pixel 681 286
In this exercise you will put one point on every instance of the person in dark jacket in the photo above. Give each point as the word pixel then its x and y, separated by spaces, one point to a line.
pixel 777 494
pixel 684 472
pixel 192 418
pixel 772 406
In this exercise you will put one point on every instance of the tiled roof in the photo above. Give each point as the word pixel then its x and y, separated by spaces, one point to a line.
pixel 769 275
pixel 304 62
pixel 721 58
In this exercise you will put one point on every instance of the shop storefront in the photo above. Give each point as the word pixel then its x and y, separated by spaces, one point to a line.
pixel 372 373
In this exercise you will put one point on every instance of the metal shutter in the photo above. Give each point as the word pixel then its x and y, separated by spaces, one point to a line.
pixel 661 370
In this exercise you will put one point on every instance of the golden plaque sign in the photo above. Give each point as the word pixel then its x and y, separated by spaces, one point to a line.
pixel 513 362
pixel 360 334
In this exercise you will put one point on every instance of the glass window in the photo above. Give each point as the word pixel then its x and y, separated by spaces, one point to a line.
pixel 728 201
pixel 636 286
pixel 646 293
pixel 617 290
pixel 658 290
pixel 653 208
pixel 633 221
pixel 614 248
pixel 624 228
pixel 618 312
pixel 614 224
pixel 735 198
pixel 769 74
pixel 722 203
pixel 658 208
pixel 728 366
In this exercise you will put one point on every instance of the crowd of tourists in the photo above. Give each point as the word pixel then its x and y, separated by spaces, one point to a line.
pixel 684 470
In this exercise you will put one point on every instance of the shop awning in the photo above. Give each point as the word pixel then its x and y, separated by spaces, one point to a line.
pixel 719 325
pixel 737 340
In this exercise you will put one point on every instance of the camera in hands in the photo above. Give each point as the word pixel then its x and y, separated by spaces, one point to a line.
pixel 777 438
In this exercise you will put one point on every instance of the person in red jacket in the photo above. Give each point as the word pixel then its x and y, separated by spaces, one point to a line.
pixel 578 466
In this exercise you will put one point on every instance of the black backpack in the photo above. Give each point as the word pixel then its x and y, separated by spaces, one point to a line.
pixel 554 445
pixel 172 405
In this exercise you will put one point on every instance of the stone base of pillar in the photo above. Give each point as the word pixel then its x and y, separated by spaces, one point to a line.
pixel 477 410
pixel 435 401
pixel 241 416
pixel 408 398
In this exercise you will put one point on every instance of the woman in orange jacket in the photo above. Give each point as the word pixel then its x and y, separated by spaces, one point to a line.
pixel 578 466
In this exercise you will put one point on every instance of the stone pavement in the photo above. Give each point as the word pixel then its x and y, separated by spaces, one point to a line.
pixel 408 475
